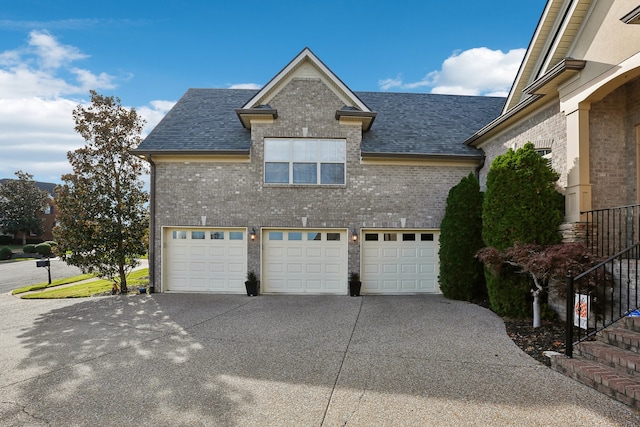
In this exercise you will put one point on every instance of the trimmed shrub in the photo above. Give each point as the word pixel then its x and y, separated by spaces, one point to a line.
pixel 5 253
pixel 461 275
pixel 29 249
pixel 521 205
pixel 43 249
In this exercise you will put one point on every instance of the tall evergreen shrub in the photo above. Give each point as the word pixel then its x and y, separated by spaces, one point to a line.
pixel 521 204
pixel 461 275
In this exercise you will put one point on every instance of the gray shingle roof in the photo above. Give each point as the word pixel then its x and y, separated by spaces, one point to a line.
pixel 406 123
pixel 428 124
pixel 202 120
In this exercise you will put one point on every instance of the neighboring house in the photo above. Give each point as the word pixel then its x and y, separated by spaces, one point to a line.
pixel 305 181
pixel 48 215
pixel 577 98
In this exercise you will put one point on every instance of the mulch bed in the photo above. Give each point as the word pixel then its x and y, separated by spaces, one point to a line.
pixel 534 341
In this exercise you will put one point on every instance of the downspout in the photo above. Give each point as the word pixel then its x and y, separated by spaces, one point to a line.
pixel 480 166
pixel 152 225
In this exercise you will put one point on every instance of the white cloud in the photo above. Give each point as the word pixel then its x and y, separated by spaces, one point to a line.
pixel 39 89
pixel 477 71
pixel 153 113
pixel 245 86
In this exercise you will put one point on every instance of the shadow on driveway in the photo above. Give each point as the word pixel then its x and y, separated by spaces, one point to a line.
pixel 186 359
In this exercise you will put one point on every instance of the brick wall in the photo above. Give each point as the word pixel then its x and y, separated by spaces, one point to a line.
pixel 233 194
pixel 545 129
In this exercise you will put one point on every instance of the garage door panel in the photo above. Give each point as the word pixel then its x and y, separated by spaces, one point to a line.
pixel 294 252
pixel 237 268
pixel 333 268
pixel 333 253
pixel 217 251
pixel 197 266
pixel 215 267
pixel 237 251
pixel 409 269
pixel 409 252
pixel 314 252
pixel 311 262
pixel 313 268
pixel 399 262
pixel 390 268
pixel 294 268
pixel 313 285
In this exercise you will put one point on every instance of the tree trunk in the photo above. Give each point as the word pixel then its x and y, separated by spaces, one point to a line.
pixel 536 303
pixel 123 281
pixel 536 309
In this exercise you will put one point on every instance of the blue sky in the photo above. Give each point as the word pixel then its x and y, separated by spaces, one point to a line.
pixel 149 53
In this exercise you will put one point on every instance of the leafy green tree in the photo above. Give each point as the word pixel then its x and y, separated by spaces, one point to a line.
pixel 461 275
pixel 521 205
pixel 102 218
pixel 21 203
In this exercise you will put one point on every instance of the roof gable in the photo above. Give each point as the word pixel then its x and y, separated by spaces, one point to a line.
pixel 551 43
pixel 305 65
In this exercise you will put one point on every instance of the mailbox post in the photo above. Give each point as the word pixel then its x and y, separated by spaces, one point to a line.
pixel 45 263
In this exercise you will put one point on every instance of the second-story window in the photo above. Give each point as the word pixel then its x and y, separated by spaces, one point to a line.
pixel 304 161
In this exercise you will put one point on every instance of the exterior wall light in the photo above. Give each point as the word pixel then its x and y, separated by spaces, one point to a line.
pixel 354 235
pixel 252 235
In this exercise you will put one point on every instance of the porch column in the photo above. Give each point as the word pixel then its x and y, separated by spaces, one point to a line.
pixel 578 190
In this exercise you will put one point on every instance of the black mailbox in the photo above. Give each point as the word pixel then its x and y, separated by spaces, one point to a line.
pixel 42 263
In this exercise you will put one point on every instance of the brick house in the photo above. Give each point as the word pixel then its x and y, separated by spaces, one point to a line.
pixel 48 216
pixel 577 98
pixel 305 181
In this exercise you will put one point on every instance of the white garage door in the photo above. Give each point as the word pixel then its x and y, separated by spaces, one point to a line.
pixel 204 260
pixel 397 262
pixel 304 261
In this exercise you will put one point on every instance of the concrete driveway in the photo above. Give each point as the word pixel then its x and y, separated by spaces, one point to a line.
pixel 184 359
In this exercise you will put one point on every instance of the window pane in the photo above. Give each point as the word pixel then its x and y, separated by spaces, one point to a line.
pixel 236 235
pixel 295 235
pixel 217 235
pixel 276 150
pixel 305 150
pixel 390 237
pixel 197 235
pixel 333 151
pixel 179 234
pixel 371 237
pixel 426 237
pixel 305 173
pixel 332 173
pixel 333 236
pixel 314 236
pixel 408 237
pixel 276 172
pixel 275 235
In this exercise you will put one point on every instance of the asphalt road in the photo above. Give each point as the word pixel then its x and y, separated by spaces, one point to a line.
pixel 23 273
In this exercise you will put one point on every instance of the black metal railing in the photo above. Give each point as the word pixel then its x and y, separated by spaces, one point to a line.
pixel 601 296
pixel 610 231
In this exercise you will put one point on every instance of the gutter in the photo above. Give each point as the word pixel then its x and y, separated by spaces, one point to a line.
pixel 420 156
pixel 179 152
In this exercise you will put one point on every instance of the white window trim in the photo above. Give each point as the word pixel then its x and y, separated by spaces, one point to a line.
pixel 317 162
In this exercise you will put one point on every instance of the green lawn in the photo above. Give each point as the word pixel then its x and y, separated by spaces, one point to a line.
pixel 54 283
pixel 135 279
